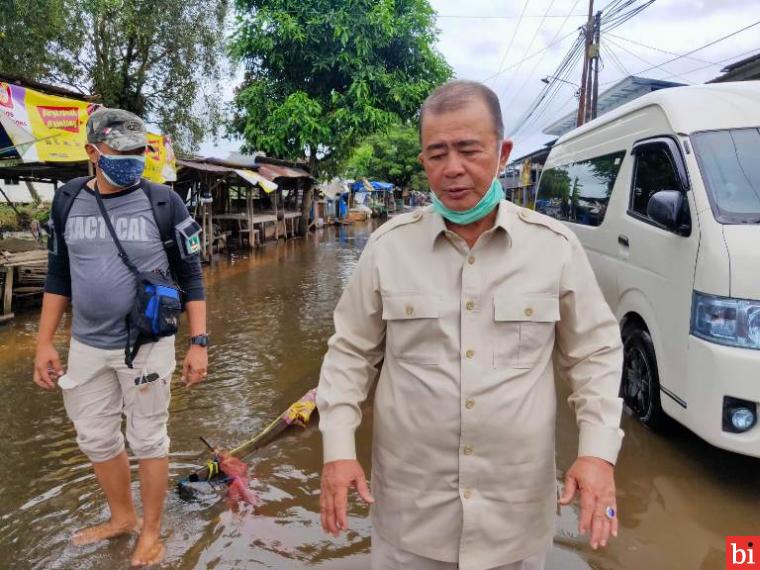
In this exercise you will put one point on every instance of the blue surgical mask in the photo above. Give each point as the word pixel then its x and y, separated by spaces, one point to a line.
pixel 121 170
pixel 485 206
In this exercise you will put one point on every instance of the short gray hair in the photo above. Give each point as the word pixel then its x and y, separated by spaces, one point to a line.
pixel 455 95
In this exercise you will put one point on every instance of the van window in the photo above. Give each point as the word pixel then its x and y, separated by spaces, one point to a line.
pixel 730 168
pixel 654 172
pixel 579 192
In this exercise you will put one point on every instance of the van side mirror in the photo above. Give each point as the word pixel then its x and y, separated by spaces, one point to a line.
pixel 666 208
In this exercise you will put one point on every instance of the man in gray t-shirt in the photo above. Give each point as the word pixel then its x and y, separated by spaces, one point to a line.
pixel 157 233
pixel 101 304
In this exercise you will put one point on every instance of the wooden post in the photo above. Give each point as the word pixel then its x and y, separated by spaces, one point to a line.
pixel 7 295
pixel 211 230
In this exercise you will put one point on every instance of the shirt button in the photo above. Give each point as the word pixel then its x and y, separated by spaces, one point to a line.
pixel 470 353
pixel 409 310
pixel 471 259
pixel 469 404
pixel 470 305
pixel 529 312
pixel 467 450
pixel 467 494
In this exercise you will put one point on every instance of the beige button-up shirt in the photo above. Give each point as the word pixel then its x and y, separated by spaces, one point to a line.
pixel 464 420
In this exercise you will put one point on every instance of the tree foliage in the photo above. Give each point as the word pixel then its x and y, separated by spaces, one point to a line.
pixel 320 74
pixel 160 60
pixel 389 156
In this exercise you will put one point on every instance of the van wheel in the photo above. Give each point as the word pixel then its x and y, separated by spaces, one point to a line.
pixel 640 386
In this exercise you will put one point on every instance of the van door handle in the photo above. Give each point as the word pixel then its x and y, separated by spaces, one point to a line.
pixel 623 240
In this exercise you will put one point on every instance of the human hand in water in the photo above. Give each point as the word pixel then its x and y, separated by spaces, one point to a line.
pixel 337 478
pixel 594 478
pixel 47 366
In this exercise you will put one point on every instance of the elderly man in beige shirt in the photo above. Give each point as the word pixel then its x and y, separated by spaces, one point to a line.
pixel 470 305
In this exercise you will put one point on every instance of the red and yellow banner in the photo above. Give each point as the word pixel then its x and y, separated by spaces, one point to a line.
pixel 49 128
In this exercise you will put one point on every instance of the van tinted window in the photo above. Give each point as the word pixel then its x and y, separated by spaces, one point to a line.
pixel 654 172
pixel 580 191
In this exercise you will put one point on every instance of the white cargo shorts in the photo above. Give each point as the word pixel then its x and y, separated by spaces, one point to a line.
pixel 103 389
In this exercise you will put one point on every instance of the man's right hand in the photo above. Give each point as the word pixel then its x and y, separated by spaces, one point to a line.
pixel 47 358
pixel 337 478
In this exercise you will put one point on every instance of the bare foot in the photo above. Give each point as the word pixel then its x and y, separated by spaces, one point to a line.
pixel 149 551
pixel 104 532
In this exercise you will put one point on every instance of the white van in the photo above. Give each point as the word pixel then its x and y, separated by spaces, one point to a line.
pixel 664 193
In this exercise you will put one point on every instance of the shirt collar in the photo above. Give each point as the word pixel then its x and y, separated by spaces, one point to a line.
pixel 437 225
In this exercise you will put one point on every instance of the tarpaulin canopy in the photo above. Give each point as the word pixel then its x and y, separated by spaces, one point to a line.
pixel 359 186
pixel 42 128
pixel 256 178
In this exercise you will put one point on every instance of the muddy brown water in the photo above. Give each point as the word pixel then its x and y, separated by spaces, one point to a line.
pixel 270 316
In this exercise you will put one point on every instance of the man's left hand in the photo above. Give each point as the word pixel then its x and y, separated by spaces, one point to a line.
pixel 595 479
pixel 195 365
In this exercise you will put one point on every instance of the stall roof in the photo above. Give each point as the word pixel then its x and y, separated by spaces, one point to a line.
pixel 205 166
pixel 273 171
pixel 377 186
pixel 267 170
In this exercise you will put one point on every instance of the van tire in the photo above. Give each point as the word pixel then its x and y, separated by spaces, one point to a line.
pixel 640 385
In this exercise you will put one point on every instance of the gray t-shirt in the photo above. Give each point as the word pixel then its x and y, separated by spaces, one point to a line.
pixel 102 288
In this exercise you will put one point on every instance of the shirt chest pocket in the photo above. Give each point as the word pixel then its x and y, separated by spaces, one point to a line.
pixel 524 327
pixel 413 329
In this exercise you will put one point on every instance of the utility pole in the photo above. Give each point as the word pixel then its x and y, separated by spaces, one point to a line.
pixel 585 94
pixel 595 59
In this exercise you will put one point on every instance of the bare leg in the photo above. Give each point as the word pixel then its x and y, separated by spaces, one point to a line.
pixel 154 481
pixel 114 478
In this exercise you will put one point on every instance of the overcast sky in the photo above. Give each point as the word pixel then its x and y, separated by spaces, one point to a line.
pixel 475 37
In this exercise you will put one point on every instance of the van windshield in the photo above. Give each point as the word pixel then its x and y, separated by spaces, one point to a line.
pixel 729 161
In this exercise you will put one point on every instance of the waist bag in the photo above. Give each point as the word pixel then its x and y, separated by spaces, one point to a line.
pixel 157 305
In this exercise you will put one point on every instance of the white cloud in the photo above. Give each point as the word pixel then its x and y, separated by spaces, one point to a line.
pixel 474 47
pixel 475 34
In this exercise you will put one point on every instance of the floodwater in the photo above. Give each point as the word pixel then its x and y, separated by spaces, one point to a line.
pixel 270 317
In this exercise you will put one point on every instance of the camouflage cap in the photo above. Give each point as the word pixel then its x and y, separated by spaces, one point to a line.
pixel 119 129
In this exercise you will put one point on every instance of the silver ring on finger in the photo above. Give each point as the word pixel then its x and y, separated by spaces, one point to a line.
pixel 610 512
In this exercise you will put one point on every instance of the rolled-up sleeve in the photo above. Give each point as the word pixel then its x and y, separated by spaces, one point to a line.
pixel 350 365
pixel 590 357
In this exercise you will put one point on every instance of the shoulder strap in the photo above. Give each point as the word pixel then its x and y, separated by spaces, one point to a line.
pixel 65 197
pixel 107 220
pixel 163 210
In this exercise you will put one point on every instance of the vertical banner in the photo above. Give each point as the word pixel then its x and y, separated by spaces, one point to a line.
pixel 160 162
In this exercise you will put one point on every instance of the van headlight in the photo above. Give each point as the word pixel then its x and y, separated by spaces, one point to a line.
pixel 733 322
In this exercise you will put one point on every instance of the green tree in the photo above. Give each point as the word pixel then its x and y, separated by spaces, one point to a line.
pixel 321 74
pixel 160 60
pixel 389 156
pixel 33 39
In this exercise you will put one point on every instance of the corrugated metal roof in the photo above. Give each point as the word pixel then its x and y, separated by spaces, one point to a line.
pixel 272 171
pixel 205 166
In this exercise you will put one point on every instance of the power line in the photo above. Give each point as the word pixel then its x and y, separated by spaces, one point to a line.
pixel 720 61
pixel 654 65
pixel 543 55
pixel 655 48
pixel 514 34
pixel 548 93
pixel 531 56
pixel 530 45
pixel 490 17
pixel 614 58
pixel 712 43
